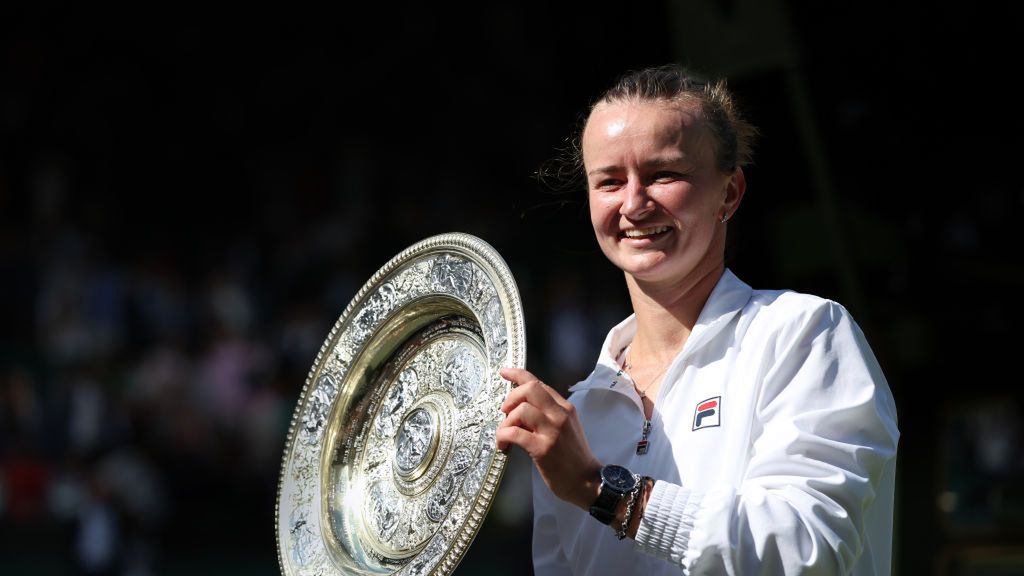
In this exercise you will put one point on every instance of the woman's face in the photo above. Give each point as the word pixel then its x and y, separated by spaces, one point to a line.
pixel 656 196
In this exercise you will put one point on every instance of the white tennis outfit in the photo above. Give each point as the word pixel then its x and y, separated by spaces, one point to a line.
pixel 773 444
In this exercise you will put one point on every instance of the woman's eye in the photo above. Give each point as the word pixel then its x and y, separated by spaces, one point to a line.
pixel 664 177
pixel 608 183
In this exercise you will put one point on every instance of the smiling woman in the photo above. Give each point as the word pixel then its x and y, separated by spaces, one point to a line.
pixel 657 199
pixel 725 429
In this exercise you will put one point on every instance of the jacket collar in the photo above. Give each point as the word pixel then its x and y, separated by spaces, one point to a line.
pixel 728 297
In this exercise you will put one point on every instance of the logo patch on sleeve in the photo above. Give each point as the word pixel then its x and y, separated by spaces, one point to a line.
pixel 708 413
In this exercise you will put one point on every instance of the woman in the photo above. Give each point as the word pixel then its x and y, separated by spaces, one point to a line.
pixel 724 429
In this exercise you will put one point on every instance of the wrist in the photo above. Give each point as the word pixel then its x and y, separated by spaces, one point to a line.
pixel 624 519
pixel 646 487
pixel 589 487
pixel 631 510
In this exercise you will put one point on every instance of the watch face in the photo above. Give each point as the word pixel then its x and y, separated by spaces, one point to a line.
pixel 618 478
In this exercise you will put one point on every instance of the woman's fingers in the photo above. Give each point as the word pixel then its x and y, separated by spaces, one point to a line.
pixel 517 376
pixel 509 435
pixel 525 418
pixel 538 411
pixel 529 389
pixel 531 393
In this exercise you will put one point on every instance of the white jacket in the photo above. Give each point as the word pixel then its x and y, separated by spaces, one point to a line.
pixel 793 473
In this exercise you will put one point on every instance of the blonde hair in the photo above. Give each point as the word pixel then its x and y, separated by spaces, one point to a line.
pixel 733 134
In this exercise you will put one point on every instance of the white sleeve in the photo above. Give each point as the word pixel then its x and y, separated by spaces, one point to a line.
pixel 548 556
pixel 824 433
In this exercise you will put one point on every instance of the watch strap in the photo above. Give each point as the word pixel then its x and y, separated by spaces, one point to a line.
pixel 604 507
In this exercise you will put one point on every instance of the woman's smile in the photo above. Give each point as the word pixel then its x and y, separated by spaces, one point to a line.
pixel 644 233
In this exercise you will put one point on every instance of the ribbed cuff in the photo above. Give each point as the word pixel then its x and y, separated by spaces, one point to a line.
pixel 664 530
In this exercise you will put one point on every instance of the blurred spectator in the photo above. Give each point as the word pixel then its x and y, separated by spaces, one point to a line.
pixel 98 533
pixel 568 333
pixel 25 473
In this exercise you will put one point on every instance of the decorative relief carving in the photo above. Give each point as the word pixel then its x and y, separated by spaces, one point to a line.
pixel 452 275
pixel 415 439
pixel 463 375
pixel 399 397
pixel 385 509
pixel 319 407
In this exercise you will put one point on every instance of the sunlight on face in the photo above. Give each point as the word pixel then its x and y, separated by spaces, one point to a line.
pixel 615 128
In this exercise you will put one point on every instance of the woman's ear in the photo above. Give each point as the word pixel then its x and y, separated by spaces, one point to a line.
pixel 734 189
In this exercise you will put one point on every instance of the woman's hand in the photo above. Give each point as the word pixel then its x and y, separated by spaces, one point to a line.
pixel 546 426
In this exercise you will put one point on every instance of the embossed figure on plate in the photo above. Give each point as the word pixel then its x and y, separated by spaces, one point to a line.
pixel 319 407
pixel 452 274
pixel 463 374
pixel 400 396
pixel 385 510
pixel 416 442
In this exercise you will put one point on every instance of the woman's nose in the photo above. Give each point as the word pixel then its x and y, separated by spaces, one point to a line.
pixel 636 203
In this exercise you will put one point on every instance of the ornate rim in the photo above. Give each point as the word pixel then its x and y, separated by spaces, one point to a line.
pixel 324 406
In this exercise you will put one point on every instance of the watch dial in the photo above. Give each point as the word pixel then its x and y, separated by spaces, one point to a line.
pixel 618 478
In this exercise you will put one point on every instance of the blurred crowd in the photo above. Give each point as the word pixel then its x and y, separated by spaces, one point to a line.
pixel 147 389
pixel 144 408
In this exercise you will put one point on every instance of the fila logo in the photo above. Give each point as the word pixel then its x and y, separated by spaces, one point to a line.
pixel 708 413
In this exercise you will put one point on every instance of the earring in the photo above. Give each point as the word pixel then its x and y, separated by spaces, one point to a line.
pixel 725 218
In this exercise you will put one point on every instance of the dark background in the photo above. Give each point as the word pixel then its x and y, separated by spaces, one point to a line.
pixel 188 200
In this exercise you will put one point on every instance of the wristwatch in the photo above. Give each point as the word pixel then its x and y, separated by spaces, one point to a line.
pixel 616 482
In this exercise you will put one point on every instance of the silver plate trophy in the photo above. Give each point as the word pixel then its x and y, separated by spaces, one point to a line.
pixel 390 465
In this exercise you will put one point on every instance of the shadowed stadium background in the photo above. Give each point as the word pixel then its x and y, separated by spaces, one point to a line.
pixel 188 200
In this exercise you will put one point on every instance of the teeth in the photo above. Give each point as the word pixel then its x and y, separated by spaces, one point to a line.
pixel 640 232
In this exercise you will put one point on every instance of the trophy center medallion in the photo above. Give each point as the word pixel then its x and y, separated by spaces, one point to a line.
pixel 416 443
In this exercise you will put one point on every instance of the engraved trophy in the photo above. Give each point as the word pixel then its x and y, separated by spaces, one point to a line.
pixel 390 464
